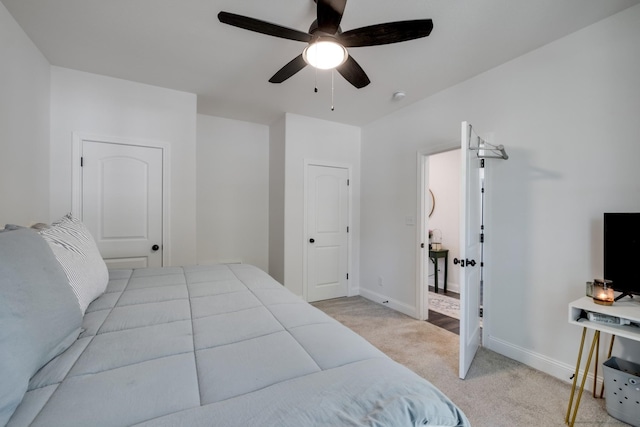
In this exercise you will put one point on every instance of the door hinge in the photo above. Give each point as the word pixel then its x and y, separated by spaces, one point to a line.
pixel 347 276
pixel 347 228
pixel 422 245
pixel 81 161
pixel 481 163
pixel 481 237
pixel 348 183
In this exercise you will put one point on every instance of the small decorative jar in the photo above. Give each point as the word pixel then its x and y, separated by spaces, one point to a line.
pixel 589 289
pixel 436 240
pixel 602 292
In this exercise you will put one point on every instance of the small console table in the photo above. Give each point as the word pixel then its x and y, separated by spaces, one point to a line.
pixel 624 309
pixel 434 255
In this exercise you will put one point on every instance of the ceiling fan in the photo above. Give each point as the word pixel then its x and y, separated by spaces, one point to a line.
pixel 326 40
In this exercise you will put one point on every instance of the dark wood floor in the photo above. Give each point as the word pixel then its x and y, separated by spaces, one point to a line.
pixel 451 324
pixel 445 322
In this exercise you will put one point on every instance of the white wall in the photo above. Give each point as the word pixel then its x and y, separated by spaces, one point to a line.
pixel 277 147
pixel 567 114
pixel 444 182
pixel 316 140
pixel 24 127
pixel 232 191
pixel 98 105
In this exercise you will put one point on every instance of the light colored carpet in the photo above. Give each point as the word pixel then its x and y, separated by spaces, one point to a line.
pixel 444 305
pixel 498 391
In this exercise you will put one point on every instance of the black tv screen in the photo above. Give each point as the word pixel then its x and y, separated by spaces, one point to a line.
pixel 622 251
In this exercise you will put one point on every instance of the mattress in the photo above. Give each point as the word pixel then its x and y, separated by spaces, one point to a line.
pixel 222 345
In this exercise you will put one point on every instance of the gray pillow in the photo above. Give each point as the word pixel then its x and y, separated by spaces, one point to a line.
pixel 39 314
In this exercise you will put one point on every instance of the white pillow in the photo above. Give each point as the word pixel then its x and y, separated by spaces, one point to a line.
pixel 76 251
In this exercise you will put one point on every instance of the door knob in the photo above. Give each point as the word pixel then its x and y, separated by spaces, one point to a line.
pixel 155 248
pixel 312 240
pixel 462 262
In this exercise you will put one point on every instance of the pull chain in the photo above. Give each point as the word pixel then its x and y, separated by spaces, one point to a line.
pixel 332 73
pixel 315 88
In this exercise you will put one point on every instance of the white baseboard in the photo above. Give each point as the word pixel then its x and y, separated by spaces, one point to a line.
pixel 389 302
pixel 560 370
pixel 452 287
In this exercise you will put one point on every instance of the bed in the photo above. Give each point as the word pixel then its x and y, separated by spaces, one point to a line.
pixel 215 345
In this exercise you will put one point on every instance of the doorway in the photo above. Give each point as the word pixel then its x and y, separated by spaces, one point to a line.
pixel 469 258
pixel 473 183
pixel 427 206
pixel 442 278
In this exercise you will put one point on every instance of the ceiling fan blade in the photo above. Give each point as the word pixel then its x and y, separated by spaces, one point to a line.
pixel 353 73
pixel 330 14
pixel 390 32
pixel 295 65
pixel 263 27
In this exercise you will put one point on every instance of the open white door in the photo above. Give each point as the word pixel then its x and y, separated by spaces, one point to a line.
pixel 470 253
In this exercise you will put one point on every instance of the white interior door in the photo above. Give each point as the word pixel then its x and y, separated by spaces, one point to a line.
pixel 470 253
pixel 122 202
pixel 327 233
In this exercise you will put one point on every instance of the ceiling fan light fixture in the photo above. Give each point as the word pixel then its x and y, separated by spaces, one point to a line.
pixel 325 54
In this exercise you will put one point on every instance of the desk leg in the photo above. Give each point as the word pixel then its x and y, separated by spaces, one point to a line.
pixel 596 338
pixel 446 267
pixel 435 273
pixel 595 368
pixel 575 376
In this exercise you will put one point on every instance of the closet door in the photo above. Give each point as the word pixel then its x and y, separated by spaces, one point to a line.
pixel 122 202
pixel 327 206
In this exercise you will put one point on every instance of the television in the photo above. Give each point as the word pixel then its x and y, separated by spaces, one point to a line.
pixel 622 252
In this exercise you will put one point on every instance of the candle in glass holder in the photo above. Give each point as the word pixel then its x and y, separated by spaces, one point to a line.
pixel 602 292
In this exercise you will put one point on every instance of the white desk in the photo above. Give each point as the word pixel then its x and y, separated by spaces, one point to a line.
pixel 626 308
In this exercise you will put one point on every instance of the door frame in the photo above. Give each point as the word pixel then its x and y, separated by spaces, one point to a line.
pixel 422 268
pixel 349 168
pixel 76 179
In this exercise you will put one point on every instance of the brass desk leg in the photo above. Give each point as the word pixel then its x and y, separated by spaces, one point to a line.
pixel 575 376
pixel 596 337
pixel 595 367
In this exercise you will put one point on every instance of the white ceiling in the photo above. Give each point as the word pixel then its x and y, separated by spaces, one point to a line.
pixel 180 44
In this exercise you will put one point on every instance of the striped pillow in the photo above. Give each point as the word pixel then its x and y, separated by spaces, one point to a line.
pixel 76 251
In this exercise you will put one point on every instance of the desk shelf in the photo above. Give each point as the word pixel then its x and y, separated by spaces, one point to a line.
pixel 626 308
